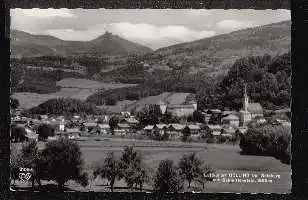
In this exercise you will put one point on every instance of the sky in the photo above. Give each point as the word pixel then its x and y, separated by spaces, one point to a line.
pixel 151 27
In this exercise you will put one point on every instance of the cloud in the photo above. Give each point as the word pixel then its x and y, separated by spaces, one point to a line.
pixel 153 33
pixel 234 24
pixel 146 34
pixel 43 13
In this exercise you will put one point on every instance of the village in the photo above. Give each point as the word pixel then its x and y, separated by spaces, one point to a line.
pixel 218 126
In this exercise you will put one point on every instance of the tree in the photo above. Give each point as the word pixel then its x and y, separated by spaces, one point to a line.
pixel 190 167
pixel 186 134
pixel 44 131
pixel 109 170
pixel 131 167
pixel 167 178
pixel 167 118
pixel 198 116
pixel 267 139
pixel 15 163
pixel 14 103
pixel 63 161
pixel 113 122
pixel 18 134
pixel 30 158
pixel 151 114
pixel 205 176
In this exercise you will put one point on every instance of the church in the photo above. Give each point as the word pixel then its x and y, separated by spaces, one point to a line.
pixel 250 110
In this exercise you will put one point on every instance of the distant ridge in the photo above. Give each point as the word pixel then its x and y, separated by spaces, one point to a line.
pixel 28 45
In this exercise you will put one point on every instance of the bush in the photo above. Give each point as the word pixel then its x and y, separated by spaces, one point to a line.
pixel 18 134
pixel 267 139
pixel 44 131
pixel 167 178
pixel 62 159
pixel 14 103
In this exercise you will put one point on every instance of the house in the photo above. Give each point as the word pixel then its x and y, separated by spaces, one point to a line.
pixel 227 131
pixel 161 128
pixel 132 121
pixel 122 129
pixel 231 120
pixel 30 134
pixel 194 130
pixel 178 110
pixel 104 128
pixel 90 125
pixel 214 130
pixel 175 130
pixel 148 130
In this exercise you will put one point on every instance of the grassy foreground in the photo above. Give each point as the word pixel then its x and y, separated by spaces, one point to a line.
pixel 223 158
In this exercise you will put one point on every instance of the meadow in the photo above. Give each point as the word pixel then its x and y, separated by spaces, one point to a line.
pixel 70 88
pixel 223 158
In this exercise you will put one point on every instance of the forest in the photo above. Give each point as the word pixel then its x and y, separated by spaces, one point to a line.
pixel 268 80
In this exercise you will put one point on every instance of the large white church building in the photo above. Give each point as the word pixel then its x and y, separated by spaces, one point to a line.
pixel 250 110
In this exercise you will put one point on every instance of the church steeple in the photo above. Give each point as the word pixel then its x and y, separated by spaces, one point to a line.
pixel 245 99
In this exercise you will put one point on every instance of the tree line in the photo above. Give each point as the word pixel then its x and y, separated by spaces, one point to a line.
pixel 66 107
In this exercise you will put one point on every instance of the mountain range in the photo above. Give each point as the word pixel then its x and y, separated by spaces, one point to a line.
pixel 27 45
pixel 217 50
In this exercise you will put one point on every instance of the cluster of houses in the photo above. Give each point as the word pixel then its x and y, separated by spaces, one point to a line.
pixel 230 124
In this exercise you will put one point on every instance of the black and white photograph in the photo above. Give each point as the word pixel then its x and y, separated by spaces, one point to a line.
pixel 150 100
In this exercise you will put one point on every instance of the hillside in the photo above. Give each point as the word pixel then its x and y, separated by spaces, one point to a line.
pixel 219 52
pixel 27 45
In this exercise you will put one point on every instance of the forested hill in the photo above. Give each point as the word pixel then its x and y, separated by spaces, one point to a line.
pixel 220 52
pixel 27 45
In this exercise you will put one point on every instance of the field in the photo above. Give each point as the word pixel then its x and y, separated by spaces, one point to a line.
pixel 169 97
pixel 223 158
pixel 70 88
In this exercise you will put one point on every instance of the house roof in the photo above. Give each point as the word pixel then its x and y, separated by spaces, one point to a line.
pixel 123 125
pixel 161 126
pixel 215 111
pixel 230 117
pixel 194 127
pixel 131 120
pixel 229 130
pixel 212 127
pixel 148 127
pixel 255 108
pixel 226 135
pixel 72 130
pixel 216 133
pixel 176 126
pixel 104 126
pixel 90 124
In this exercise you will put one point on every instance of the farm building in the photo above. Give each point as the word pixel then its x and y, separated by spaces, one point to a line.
pixel 178 110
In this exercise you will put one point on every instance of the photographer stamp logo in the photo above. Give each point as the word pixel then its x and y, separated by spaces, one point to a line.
pixel 25 174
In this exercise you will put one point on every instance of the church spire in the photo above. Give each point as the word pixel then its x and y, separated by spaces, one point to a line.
pixel 246 99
